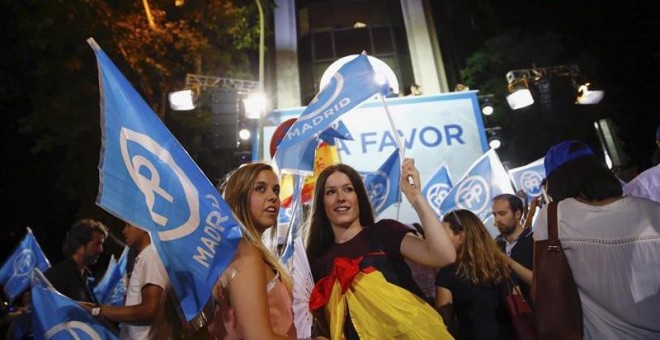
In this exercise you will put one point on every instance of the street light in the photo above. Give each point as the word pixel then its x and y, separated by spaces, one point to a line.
pixel 260 122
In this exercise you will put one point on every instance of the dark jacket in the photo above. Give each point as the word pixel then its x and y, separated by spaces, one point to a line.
pixel 523 253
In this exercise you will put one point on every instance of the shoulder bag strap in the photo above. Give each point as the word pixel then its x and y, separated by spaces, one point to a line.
pixel 553 234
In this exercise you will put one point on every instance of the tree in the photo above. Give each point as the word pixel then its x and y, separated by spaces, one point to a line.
pixel 62 113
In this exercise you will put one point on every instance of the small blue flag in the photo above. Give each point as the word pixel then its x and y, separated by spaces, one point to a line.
pixel 353 83
pixel 295 222
pixel 149 180
pixel 485 179
pixel 297 159
pixel 438 187
pixel 383 185
pixel 15 272
pixel 55 316
pixel 336 130
pixel 529 178
pixel 111 289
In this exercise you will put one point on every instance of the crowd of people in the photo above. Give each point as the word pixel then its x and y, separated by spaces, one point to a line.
pixel 364 286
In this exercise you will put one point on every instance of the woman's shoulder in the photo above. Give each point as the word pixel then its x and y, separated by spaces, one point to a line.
pixel 246 251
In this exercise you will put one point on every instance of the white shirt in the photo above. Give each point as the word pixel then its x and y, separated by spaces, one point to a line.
pixel 646 185
pixel 148 269
pixel 614 254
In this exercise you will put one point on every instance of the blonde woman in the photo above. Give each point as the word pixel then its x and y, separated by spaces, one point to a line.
pixel 469 292
pixel 253 296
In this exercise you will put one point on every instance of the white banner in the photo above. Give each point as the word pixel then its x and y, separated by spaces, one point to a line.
pixel 435 129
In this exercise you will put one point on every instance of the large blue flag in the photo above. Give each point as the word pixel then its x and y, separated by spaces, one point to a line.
pixel 15 272
pixel 353 83
pixel 111 289
pixel 383 185
pixel 55 316
pixel 485 179
pixel 529 178
pixel 150 181
pixel 438 187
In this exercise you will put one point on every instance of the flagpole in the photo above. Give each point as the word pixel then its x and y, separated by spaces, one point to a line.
pixel 402 150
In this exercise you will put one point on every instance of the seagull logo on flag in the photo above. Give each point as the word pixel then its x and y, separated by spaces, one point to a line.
pixel 150 185
pixel 473 194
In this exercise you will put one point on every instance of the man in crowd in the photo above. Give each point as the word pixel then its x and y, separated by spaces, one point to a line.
pixel 145 291
pixel 82 247
pixel 515 241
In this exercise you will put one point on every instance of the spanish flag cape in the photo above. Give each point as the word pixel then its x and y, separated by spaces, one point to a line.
pixel 378 309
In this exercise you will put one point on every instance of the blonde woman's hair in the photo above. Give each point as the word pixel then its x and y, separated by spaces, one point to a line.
pixel 478 260
pixel 236 189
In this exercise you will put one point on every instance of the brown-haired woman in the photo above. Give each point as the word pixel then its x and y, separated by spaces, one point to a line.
pixel 364 287
pixel 469 292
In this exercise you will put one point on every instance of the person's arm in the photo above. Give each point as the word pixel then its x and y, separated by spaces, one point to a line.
pixel 531 212
pixel 444 306
pixel 246 285
pixel 523 273
pixel 436 250
pixel 143 313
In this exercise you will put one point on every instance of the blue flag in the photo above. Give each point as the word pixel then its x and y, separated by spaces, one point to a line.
pixel 295 214
pixel 336 130
pixel 353 83
pixel 15 272
pixel 383 185
pixel 55 316
pixel 297 159
pixel 149 180
pixel 529 178
pixel 111 289
pixel 437 187
pixel 485 179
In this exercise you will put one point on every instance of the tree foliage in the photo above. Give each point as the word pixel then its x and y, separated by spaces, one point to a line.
pixel 62 113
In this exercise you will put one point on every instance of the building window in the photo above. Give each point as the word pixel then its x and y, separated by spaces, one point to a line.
pixel 332 29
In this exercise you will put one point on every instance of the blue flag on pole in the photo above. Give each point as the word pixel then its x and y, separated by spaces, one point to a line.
pixel 55 316
pixel 529 178
pixel 111 289
pixel 149 180
pixel 438 187
pixel 353 83
pixel 295 218
pixel 336 130
pixel 15 272
pixel 383 185
pixel 298 159
pixel 485 179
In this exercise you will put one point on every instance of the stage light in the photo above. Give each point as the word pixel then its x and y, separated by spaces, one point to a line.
pixel 255 104
pixel 182 100
pixel 588 96
pixel 244 134
pixel 494 143
pixel 487 105
pixel 520 95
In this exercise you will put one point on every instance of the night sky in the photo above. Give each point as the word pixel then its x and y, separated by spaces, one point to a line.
pixel 622 35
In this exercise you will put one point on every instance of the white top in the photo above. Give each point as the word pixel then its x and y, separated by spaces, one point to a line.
pixel 646 185
pixel 148 269
pixel 614 254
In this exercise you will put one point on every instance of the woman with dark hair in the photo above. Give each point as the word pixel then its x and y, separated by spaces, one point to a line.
pixel 611 242
pixel 363 284
pixel 469 292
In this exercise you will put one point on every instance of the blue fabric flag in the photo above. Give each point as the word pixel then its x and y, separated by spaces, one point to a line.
pixel 111 289
pixel 15 272
pixel 353 83
pixel 149 180
pixel 295 214
pixel 383 185
pixel 438 187
pixel 529 178
pixel 336 130
pixel 297 159
pixel 55 316
pixel 485 179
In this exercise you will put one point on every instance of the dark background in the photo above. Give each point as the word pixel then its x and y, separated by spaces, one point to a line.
pixel 621 38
